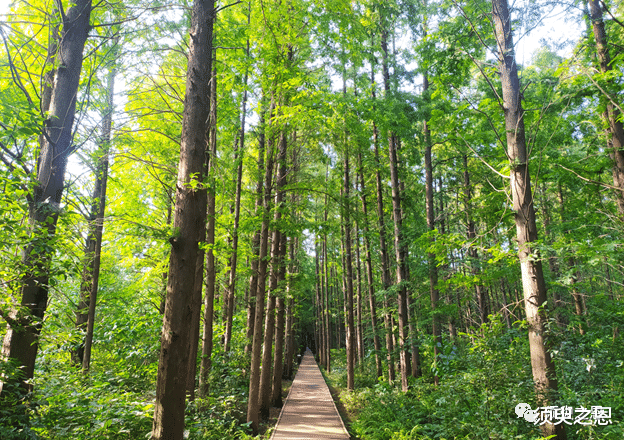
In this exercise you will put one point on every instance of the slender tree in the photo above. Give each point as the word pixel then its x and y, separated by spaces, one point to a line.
pixel 533 282
pixel 93 246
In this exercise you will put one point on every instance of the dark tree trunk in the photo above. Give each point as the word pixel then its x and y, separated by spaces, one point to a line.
pixel 326 300
pixel 533 282
pixel 238 159
pixel 211 271
pixel 276 265
pixel 430 207
pixel 369 273
pixel 359 308
pixel 278 362
pixel 471 234
pixel 255 244
pixel 290 348
pixel 21 341
pixel 253 406
pixel 348 273
pixel 190 217
pixel 612 115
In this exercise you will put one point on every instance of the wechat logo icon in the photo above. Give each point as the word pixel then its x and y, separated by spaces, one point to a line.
pixel 524 410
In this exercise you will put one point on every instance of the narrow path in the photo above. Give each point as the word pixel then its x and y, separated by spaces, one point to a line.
pixel 309 411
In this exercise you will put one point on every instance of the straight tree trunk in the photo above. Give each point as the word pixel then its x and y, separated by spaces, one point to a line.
pixel 534 286
pixel 278 357
pixel 579 307
pixel 253 405
pixel 433 269
pixel 400 264
pixel 612 115
pixel 385 261
pixel 369 273
pixel 190 217
pixel 256 241
pixel 21 341
pixel 348 273
pixel 238 159
pixel 360 332
pixel 326 301
pixel 93 246
pixel 211 271
pixel 290 348
pixel 276 264
pixel 319 308
pixel 472 251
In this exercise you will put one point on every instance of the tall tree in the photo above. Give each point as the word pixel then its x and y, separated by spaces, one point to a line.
pixel 533 283
pixel 189 224
pixel 85 315
pixel 612 114
pixel 21 341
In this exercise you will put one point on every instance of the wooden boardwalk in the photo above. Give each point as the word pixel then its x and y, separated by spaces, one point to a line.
pixel 309 411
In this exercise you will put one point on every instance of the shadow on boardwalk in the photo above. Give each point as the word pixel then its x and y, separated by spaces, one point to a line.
pixel 309 411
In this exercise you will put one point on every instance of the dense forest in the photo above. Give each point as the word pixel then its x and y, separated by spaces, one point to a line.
pixel 193 192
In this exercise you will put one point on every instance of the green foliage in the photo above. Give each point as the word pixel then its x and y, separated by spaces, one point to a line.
pixel 483 376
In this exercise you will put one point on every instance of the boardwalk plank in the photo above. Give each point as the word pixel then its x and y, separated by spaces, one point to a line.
pixel 309 411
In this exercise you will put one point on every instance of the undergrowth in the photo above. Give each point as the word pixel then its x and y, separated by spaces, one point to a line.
pixel 483 377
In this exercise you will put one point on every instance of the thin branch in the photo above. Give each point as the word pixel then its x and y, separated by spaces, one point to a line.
pixel 227 6
pixel 596 182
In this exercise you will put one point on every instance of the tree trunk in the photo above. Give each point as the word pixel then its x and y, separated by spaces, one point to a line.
pixel 472 251
pixel 290 348
pixel 326 301
pixel 544 374
pixel 278 362
pixel 256 241
pixel 211 271
pixel 400 263
pixel 612 115
pixel 358 265
pixel 239 151
pixel 21 340
pixel 253 405
pixel 369 273
pixel 433 269
pixel 93 246
pixel 579 308
pixel 348 272
pixel 190 217
pixel 276 264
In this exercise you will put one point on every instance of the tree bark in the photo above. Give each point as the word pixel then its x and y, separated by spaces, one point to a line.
pixel 21 341
pixel 278 357
pixel 274 279
pixel 348 271
pixel 534 286
pixel 93 245
pixel 326 300
pixel 189 223
pixel 211 271
pixel 369 272
pixel 256 241
pixel 359 308
pixel 239 151
pixel 253 405
pixel 612 115
pixel 400 263
pixel 431 257
pixel 471 234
